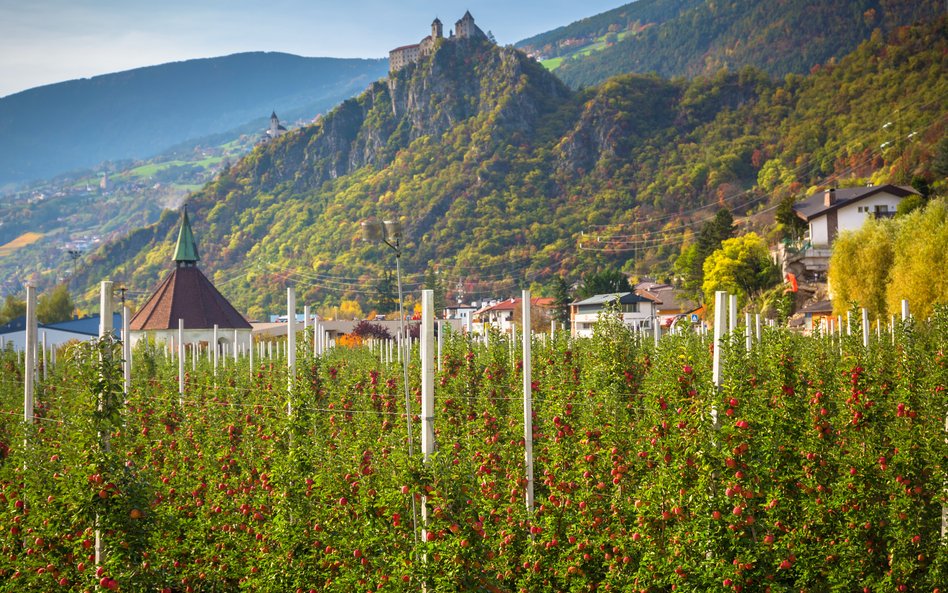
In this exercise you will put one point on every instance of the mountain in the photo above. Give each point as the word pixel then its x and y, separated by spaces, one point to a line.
pixel 138 113
pixel 699 37
pixel 503 176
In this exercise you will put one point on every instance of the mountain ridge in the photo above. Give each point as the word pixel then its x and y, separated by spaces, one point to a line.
pixel 140 112
pixel 497 192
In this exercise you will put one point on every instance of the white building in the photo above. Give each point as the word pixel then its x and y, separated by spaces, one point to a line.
pixel 833 211
pixel 188 295
pixel 13 334
pixel 637 312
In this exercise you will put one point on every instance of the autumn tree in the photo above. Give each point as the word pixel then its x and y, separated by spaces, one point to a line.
pixel 860 265
pixel 741 266
pixel 920 260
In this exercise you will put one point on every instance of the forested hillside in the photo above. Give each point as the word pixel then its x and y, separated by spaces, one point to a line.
pixel 504 177
pixel 698 37
pixel 135 114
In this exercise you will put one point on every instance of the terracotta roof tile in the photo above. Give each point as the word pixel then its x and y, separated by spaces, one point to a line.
pixel 187 294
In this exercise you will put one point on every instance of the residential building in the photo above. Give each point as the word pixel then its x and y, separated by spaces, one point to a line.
pixel 670 303
pixel 500 315
pixel 833 211
pixel 637 311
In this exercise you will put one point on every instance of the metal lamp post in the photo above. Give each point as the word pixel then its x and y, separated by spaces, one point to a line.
pixel 389 232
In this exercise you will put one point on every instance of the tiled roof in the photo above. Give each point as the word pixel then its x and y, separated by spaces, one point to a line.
pixel 187 294
pixel 815 205
pixel 623 298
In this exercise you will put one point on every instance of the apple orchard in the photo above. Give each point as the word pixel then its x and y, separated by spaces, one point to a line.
pixel 819 465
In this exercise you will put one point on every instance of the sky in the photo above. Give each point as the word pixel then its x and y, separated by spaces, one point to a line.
pixel 48 41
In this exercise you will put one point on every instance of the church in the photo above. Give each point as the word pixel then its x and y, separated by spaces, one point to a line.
pixel 187 294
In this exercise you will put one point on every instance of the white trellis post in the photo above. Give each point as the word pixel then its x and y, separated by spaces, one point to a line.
pixel 732 314
pixel 720 319
pixel 757 327
pixel 236 349
pixel 426 352
pixel 905 311
pixel 440 342
pixel 748 340
pixel 849 325
pixel 126 350
pixel 105 328
pixel 181 361
pixel 216 348
pixel 290 345
pixel 527 404
pixel 865 328
pixel 29 354
pixel 43 347
pixel 306 321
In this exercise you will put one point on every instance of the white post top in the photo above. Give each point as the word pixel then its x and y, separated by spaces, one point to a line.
pixel 105 308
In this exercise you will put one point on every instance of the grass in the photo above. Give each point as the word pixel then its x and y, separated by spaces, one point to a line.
pixel 552 63
pixel 597 45
pixel 21 241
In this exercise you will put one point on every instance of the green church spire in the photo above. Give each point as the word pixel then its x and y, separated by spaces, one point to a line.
pixel 186 249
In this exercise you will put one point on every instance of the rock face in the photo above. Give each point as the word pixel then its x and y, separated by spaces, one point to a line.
pixel 463 78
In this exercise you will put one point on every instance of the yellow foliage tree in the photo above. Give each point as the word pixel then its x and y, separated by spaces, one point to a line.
pixel 859 267
pixel 350 309
pixel 921 260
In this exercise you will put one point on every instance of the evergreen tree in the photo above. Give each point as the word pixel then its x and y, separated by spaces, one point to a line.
pixel 561 300
pixel 605 282
pixel 385 299
pixel 791 225
pixel 55 305
pixel 433 282
pixel 12 308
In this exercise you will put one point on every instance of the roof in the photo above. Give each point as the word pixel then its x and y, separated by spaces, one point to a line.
pixel 403 47
pixel 818 307
pixel 815 205
pixel 513 303
pixel 88 326
pixel 624 298
pixel 186 248
pixel 187 294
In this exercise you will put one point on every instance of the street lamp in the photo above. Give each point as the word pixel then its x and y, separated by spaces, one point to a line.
pixel 389 232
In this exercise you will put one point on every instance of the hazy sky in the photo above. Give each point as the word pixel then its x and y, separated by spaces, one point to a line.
pixel 47 41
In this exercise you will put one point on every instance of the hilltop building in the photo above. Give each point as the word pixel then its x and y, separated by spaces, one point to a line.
pixel 402 56
pixel 275 130
pixel 187 294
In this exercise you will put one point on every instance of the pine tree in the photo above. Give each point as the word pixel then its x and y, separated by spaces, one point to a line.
pixel 561 300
